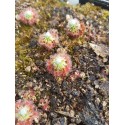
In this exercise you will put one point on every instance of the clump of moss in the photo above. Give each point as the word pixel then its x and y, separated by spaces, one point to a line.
pixel 87 8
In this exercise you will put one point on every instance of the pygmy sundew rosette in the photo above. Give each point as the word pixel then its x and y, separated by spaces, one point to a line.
pixel 59 65
pixel 75 28
pixel 49 39
pixel 25 112
pixel 28 16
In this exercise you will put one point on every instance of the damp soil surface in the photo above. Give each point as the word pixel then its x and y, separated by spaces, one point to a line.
pixel 80 101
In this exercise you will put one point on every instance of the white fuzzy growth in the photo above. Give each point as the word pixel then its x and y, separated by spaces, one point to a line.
pixel 47 34
pixel 74 22
pixel 28 13
pixel 58 60
pixel 23 111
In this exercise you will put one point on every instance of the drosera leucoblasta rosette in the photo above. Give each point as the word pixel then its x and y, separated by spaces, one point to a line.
pixel 49 39
pixel 25 112
pixel 28 16
pixel 59 64
pixel 74 27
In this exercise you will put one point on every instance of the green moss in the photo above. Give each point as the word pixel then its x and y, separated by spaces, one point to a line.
pixel 105 14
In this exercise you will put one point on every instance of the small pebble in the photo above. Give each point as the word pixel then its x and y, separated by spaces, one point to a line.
pixel 28 69
pixel 72 113
pixel 53 114
pixel 73 120
pixel 78 120
pixel 96 86
pixel 98 101
pixel 82 75
pixel 67 108
pixel 104 103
